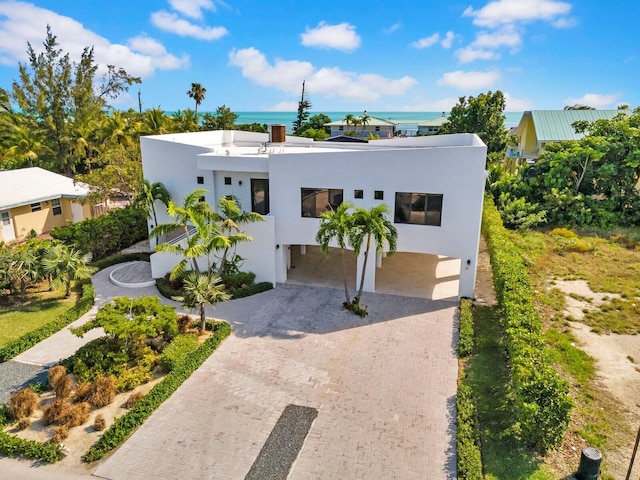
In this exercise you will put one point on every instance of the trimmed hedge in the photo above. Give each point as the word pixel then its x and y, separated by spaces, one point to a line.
pixel 167 291
pixel 252 290
pixel 120 258
pixel 107 234
pixel 543 405
pixel 18 447
pixel 177 351
pixel 123 426
pixel 28 340
pixel 468 449
pixel 466 335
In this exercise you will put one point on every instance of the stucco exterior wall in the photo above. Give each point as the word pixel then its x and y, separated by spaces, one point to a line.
pixel 41 221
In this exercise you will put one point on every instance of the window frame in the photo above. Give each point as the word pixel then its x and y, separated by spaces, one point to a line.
pixel 358 194
pixel 228 180
pixel 200 180
pixel 5 220
pixel 305 203
pixel 56 208
pixel 408 203
pixel 36 207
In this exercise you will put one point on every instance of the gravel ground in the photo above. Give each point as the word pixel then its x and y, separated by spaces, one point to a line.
pixel 15 375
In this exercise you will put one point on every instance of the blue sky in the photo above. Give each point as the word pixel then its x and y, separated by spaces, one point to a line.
pixel 378 55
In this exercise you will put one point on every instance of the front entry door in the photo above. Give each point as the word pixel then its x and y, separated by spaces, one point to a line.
pixel 8 233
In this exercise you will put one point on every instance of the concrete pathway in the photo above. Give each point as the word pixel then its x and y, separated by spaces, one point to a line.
pixel 384 387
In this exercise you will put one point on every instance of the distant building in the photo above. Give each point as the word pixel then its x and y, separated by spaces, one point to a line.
pixel 34 199
pixel 539 127
pixel 431 127
pixel 434 186
pixel 375 126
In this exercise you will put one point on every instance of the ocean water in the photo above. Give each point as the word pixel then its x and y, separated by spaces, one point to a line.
pixel 409 118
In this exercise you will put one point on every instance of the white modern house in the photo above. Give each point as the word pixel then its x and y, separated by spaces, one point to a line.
pixel 434 187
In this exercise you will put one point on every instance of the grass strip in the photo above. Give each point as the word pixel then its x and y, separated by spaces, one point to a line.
pixel 123 426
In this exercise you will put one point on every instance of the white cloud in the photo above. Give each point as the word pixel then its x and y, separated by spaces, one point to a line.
pixel 506 37
pixel 192 8
pixel 469 54
pixel 288 75
pixel 284 107
pixel 341 37
pixel 595 100
pixel 516 104
pixel 447 41
pixel 565 22
pixel 500 12
pixel 393 28
pixel 426 42
pixel 468 80
pixel 170 22
pixel 22 22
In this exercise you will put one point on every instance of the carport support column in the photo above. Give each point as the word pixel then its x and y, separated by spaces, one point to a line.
pixel 467 277
pixel 370 274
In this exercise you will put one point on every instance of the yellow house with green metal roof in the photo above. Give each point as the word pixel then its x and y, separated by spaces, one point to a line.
pixel 539 127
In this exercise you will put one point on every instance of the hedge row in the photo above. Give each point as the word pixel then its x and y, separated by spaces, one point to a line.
pixel 542 401
pixel 120 258
pixel 106 234
pixel 18 447
pixel 28 340
pixel 167 291
pixel 123 426
pixel 468 449
pixel 466 335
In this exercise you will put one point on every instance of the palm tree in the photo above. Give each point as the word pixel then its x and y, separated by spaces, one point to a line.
pixel 230 216
pixel 147 196
pixel 348 119
pixel 195 218
pixel 64 264
pixel 336 224
pixel 197 92
pixel 186 121
pixel 201 289
pixel 368 225
pixel 364 120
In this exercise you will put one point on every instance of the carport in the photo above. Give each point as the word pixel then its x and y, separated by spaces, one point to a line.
pixel 419 275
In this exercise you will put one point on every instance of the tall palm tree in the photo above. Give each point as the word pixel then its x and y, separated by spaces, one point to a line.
pixel 336 225
pixel 348 119
pixel 147 196
pixel 64 264
pixel 200 290
pixel 230 216
pixel 370 225
pixel 364 120
pixel 197 92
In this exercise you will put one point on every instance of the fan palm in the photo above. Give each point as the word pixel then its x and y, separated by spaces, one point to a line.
pixel 64 264
pixel 200 290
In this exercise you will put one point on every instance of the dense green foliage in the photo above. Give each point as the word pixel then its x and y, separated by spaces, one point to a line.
pixel 465 339
pixel 105 235
pixel 589 182
pixel 84 303
pixel 542 402
pixel 467 448
pixel 176 353
pixel 124 425
pixel 17 447
pixel 120 258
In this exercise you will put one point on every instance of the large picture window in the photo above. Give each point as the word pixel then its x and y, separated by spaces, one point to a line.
pixel 260 195
pixel 418 208
pixel 317 200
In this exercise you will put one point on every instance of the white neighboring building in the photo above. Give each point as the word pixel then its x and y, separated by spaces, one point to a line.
pixel 433 185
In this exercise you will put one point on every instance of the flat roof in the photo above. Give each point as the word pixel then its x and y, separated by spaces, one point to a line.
pixel 34 184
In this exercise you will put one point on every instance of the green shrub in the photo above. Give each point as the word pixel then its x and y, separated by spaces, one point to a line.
pixel 542 401
pixel 563 232
pixel 468 450
pixel 177 351
pixel 123 426
pixel 238 280
pixel 466 337
pixel 106 234
pixel 120 258
pixel 166 289
pixel 17 447
pixel 28 340
pixel 252 290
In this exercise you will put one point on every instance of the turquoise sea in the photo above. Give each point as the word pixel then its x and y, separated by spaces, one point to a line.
pixel 409 119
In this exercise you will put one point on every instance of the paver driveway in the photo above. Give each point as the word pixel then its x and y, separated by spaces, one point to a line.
pixel 384 387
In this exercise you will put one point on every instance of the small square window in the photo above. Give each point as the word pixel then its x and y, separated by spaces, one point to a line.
pixel 358 194
pixel 378 195
pixel 6 218
pixel 36 207
pixel 200 180
pixel 377 129
pixel 227 180
pixel 341 128
pixel 56 207
pixel 202 199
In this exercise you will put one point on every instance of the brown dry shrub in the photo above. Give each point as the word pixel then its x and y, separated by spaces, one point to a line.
pixel 24 423
pixel 55 411
pixel 82 392
pixel 103 391
pixel 99 423
pixel 184 322
pixel 62 387
pixel 55 374
pixel 134 398
pixel 60 433
pixel 23 403
pixel 76 414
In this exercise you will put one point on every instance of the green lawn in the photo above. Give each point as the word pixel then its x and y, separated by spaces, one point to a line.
pixel 15 321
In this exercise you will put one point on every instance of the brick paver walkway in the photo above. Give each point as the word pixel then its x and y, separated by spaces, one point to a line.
pixel 384 387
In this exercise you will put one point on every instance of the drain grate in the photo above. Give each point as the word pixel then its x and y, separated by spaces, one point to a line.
pixel 283 445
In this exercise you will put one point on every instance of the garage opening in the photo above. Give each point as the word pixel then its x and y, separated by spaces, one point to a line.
pixel 315 268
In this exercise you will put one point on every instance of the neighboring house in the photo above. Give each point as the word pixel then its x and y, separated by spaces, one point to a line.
pixel 539 127
pixel 376 126
pixel 434 187
pixel 34 199
pixel 431 127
